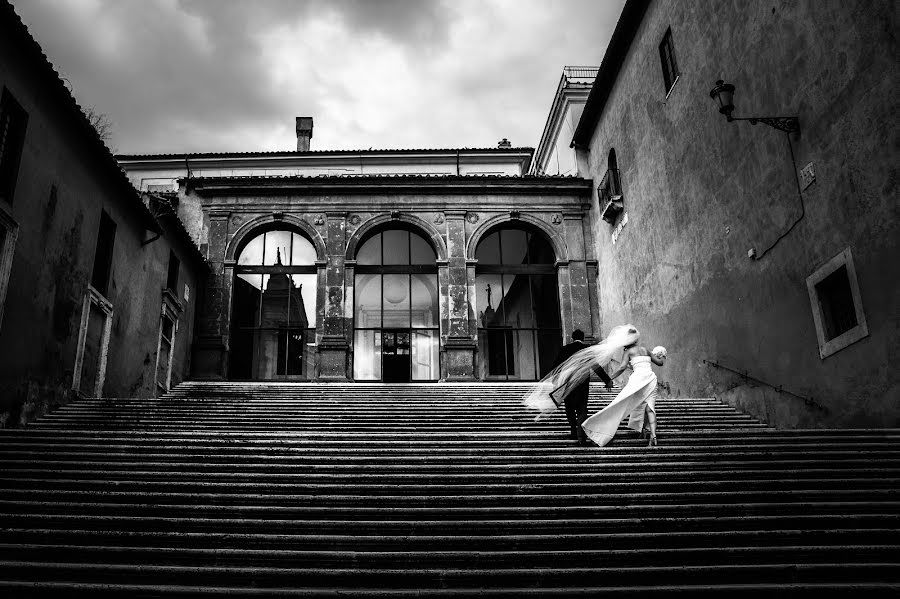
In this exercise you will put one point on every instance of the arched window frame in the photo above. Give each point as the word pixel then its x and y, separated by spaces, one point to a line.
pixel 410 269
pixel 283 333
pixel 546 340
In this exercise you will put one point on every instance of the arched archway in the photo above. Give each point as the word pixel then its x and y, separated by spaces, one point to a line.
pixel 274 308
pixel 396 306
pixel 517 300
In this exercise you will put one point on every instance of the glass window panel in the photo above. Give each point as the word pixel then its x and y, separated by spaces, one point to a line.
pixel 540 251
pixel 497 352
pixel 546 300
pixel 252 253
pixel 296 346
pixel 482 354
pixel 266 360
pixel 421 251
pixel 513 246
pixel 396 301
pixel 425 356
pixel 247 294
pixel 488 293
pixel 396 247
pixel 277 247
pixel 402 344
pixel 424 305
pixel 302 251
pixel 488 251
pixel 306 288
pixel 368 301
pixel 276 301
pixel 370 252
pixel 524 355
pixel 549 344
pixel 367 356
pixel 517 301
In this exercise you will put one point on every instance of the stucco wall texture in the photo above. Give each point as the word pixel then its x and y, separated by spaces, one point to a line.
pixel 700 192
pixel 52 263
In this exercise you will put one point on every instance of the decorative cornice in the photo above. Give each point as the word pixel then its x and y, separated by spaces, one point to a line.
pixel 377 185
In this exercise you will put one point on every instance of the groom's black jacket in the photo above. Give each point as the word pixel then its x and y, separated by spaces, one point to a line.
pixel 580 393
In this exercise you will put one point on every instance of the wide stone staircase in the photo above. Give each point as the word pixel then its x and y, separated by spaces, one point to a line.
pixel 440 490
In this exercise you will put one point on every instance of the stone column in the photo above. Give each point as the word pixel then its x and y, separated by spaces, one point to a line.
pixel 334 347
pixel 459 344
pixel 593 274
pixel 581 297
pixel 565 298
pixel 211 344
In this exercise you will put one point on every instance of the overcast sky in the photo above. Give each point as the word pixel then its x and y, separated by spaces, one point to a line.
pixel 231 75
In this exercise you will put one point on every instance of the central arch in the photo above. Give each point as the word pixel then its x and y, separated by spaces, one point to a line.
pixel 396 306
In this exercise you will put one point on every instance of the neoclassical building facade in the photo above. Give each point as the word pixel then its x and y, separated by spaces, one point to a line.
pixel 420 265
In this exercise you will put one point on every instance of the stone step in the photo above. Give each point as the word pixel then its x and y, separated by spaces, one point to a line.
pixel 576 557
pixel 29 589
pixel 862 502
pixel 487 527
pixel 521 541
pixel 441 490
pixel 155 496
pixel 527 574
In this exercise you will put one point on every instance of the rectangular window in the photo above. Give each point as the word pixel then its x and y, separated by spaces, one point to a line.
pixel 667 57
pixel 106 238
pixel 13 119
pixel 836 304
pixel 172 277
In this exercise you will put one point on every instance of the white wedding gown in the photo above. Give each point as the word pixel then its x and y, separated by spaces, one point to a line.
pixel 640 392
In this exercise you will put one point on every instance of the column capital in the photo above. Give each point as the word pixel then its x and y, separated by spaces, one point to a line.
pixel 219 215
pixel 455 214
pixel 562 264
pixel 336 213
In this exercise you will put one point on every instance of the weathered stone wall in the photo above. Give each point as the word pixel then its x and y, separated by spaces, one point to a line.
pixel 53 259
pixel 336 223
pixel 700 192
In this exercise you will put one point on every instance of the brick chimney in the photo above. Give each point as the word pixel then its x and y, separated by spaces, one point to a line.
pixel 304 132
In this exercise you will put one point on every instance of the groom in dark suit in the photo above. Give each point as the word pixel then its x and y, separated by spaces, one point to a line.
pixel 577 399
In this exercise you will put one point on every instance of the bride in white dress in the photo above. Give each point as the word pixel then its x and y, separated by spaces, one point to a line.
pixel 637 399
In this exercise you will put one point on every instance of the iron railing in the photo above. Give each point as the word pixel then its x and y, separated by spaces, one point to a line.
pixel 589 73
pixel 808 400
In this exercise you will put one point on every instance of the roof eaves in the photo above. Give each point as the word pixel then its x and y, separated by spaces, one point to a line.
pixel 318 153
pixel 629 21
pixel 30 50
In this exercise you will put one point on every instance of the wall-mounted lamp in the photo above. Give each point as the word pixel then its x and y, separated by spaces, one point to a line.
pixel 723 94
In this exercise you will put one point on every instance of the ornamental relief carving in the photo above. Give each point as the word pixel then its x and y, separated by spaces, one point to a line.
pixel 354 219
pixel 472 218
pixel 556 218
pixel 439 218
pixel 319 220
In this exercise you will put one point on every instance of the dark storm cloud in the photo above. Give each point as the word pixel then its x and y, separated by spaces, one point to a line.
pixel 194 75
